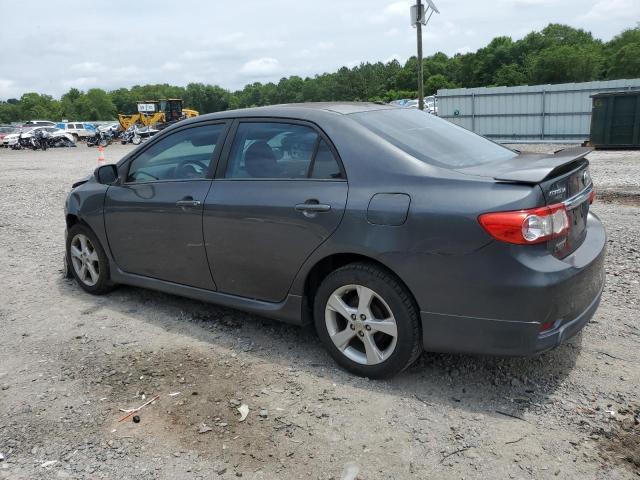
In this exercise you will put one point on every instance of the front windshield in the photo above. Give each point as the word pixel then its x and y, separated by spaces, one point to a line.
pixel 432 139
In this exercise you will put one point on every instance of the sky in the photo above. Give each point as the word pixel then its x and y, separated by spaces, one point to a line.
pixel 232 43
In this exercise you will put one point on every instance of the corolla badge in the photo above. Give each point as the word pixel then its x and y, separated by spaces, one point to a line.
pixel 558 191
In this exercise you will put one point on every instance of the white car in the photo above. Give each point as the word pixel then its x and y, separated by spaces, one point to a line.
pixel 77 129
pixel 12 138
pixel 39 123
pixel 430 105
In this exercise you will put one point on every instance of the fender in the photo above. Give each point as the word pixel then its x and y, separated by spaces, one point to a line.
pixel 86 203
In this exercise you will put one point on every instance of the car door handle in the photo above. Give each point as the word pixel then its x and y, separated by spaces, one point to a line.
pixel 185 202
pixel 312 207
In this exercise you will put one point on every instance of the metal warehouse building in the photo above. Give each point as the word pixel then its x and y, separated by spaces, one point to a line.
pixel 528 113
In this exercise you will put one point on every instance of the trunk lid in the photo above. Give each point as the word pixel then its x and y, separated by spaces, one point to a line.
pixel 570 187
pixel 563 177
pixel 530 168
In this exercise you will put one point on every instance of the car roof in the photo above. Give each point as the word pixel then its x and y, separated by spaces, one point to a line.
pixel 299 110
pixel 344 108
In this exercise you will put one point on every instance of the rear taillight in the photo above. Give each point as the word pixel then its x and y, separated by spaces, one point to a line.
pixel 530 226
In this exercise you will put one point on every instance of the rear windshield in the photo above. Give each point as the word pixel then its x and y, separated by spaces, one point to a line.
pixel 432 139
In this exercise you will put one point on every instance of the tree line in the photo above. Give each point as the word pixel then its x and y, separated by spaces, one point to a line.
pixel 556 54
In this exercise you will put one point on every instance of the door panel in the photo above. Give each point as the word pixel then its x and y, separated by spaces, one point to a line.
pixel 154 218
pixel 150 234
pixel 257 240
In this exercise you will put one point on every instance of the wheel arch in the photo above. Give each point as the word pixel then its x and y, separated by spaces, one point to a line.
pixel 72 219
pixel 328 264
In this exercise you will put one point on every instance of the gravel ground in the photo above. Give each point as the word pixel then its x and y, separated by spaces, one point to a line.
pixel 70 361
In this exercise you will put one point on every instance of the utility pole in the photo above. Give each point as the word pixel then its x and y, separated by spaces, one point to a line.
pixel 420 14
pixel 418 19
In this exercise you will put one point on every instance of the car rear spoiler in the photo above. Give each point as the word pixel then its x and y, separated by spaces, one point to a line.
pixel 531 167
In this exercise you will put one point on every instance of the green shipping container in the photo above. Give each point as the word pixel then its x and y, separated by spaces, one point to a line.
pixel 615 120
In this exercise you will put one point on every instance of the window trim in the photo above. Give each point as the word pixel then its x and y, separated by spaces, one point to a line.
pixel 312 163
pixel 223 162
pixel 215 157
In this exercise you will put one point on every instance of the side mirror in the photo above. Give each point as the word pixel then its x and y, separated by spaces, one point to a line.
pixel 106 174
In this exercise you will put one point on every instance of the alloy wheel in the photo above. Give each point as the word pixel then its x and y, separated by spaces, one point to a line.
pixel 84 259
pixel 361 324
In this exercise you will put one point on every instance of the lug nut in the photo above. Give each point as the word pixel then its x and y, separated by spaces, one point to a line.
pixel 361 333
pixel 368 327
pixel 363 316
pixel 353 316
pixel 353 327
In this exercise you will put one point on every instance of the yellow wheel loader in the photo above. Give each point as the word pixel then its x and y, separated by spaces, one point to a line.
pixel 154 112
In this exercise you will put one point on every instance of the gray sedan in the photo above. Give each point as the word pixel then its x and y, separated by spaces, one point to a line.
pixel 392 230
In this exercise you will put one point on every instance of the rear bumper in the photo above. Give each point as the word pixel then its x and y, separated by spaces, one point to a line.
pixel 570 295
pixel 447 333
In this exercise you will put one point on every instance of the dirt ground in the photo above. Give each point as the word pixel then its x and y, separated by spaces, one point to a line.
pixel 69 361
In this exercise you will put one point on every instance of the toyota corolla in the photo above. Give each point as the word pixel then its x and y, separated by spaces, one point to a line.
pixel 392 230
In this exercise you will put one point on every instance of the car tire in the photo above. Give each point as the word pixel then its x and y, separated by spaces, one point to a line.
pixel 87 260
pixel 369 344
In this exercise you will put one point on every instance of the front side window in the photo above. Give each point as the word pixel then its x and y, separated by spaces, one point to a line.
pixel 272 150
pixel 183 155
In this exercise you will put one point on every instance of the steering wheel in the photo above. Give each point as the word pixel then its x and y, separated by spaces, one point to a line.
pixel 191 169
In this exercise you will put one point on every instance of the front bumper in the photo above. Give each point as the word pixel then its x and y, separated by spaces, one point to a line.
pixel 570 295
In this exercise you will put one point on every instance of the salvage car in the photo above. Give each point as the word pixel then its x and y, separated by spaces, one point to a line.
pixel 393 231
pixel 12 139
pixel 38 123
pixel 77 130
pixel 6 130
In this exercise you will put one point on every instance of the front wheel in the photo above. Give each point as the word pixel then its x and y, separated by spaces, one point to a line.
pixel 368 320
pixel 87 260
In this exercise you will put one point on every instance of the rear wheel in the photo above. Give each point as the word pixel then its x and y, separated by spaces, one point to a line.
pixel 87 261
pixel 368 321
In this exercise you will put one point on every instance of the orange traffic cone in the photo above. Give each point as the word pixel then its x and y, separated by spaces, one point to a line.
pixel 100 154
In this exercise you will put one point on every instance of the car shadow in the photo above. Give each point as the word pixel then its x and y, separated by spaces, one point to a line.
pixel 500 386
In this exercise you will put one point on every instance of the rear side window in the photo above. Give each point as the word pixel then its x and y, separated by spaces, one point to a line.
pixel 183 155
pixel 432 139
pixel 325 165
pixel 273 150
